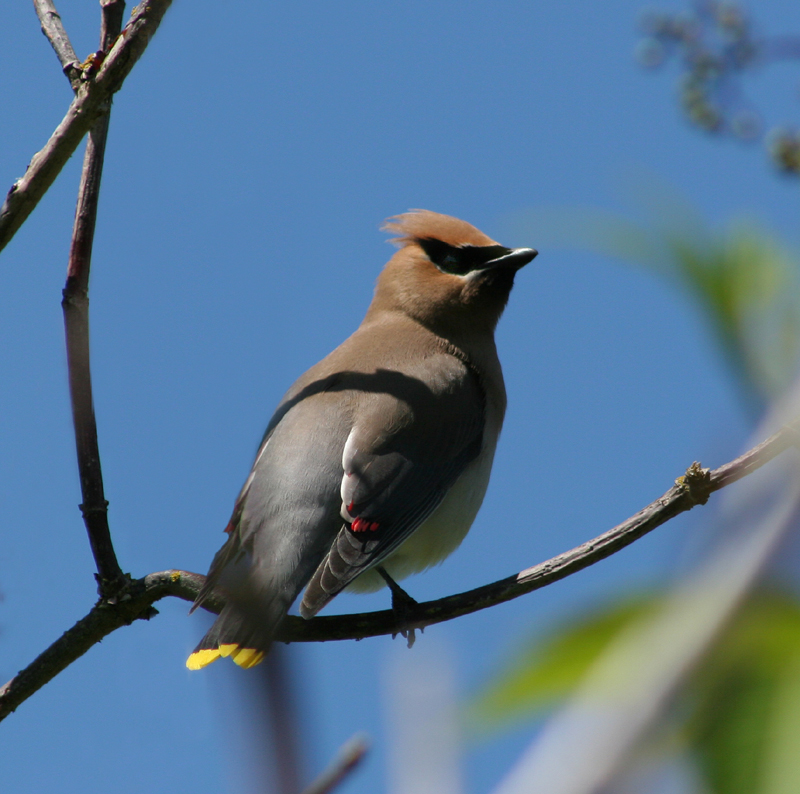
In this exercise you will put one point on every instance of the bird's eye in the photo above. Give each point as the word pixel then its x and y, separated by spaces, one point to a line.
pixel 460 260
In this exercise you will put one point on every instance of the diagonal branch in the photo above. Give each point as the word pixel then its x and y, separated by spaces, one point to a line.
pixel 75 305
pixel 99 623
pixel 91 102
pixel 691 489
pixel 52 27
pixel 350 755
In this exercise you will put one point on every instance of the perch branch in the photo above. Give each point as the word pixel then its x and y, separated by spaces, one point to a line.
pixel 75 305
pixel 91 102
pixel 691 489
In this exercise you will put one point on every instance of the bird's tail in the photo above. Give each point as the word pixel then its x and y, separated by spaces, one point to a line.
pixel 236 635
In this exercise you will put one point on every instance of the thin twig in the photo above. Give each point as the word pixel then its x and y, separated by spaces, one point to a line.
pixel 75 305
pixel 692 489
pixel 347 759
pixel 52 27
pixel 91 102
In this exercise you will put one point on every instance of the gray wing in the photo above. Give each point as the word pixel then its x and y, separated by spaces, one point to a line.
pixel 405 452
pixel 287 512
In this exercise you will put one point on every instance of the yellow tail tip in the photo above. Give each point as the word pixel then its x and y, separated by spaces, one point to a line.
pixel 247 657
pixel 244 657
pixel 199 659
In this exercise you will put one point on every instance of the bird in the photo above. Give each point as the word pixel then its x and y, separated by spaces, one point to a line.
pixel 377 459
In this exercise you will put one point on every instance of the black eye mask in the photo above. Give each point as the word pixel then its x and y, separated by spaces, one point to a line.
pixel 460 260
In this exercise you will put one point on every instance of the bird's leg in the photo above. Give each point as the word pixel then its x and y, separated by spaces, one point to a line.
pixel 402 605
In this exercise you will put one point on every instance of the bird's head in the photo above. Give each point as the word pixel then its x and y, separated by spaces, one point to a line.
pixel 447 275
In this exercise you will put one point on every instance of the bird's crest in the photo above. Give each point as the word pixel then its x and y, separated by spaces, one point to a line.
pixel 416 225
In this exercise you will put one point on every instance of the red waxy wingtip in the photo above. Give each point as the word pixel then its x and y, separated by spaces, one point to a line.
pixel 360 525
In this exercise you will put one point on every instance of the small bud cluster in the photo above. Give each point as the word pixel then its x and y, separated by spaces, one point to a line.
pixel 716 45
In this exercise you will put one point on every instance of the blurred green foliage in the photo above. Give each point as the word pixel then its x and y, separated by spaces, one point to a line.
pixel 744 719
pixel 548 669
pixel 738 716
pixel 744 281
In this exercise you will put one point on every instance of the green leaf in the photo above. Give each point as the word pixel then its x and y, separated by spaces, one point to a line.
pixel 747 285
pixel 547 670
pixel 739 711
pixel 782 746
pixel 745 715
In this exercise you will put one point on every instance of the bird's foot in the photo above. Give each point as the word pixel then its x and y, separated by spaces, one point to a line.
pixel 403 606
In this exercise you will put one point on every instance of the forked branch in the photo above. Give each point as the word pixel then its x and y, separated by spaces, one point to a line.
pixel 91 102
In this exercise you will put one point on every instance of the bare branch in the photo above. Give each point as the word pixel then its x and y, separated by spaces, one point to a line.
pixel 57 36
pixel 101 621
pixel 76 320
pixel 691 489
pixel 91 102
pixel 75 305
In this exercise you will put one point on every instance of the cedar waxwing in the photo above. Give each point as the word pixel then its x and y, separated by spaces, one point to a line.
pixel 377 459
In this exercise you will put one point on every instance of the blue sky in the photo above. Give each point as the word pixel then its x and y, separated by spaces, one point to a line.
pixel 252 157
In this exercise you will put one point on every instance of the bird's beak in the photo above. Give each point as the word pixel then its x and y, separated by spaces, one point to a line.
pixel 517 258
